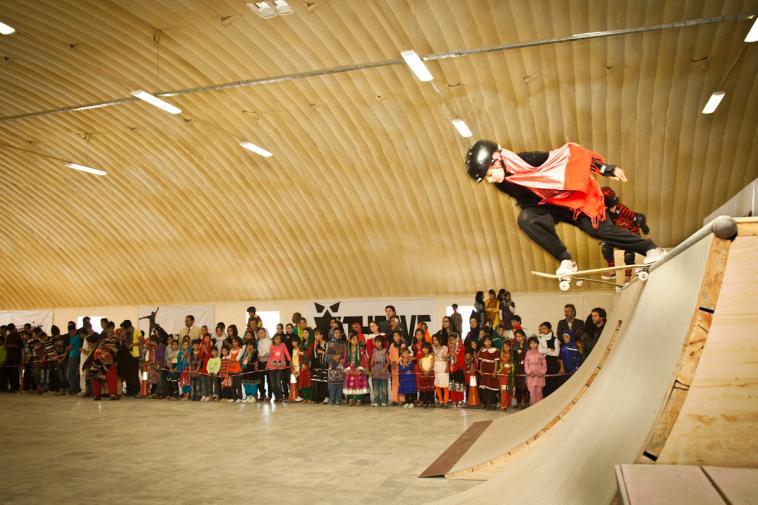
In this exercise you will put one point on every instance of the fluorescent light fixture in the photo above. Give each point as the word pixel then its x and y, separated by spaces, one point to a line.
pixel 263 9
pixel 414 61
pixel 6 29
pixel 283 8
pixel 256 149
pixel 713 102
pixel 155 101
pixel 462 128
pixel 84 168
pixel 752 35
pixel 93 106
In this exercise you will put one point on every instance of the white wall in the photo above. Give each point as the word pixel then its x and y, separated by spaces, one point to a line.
pixel 532 307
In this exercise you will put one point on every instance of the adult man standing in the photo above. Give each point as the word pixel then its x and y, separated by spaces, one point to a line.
pixel 189 329
pixel 593 329
pixel 570 322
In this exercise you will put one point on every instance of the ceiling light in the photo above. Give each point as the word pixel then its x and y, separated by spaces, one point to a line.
pixel 418 67
pixel 157 102
pixel 462 128
pixel 256 149
pixel 6 29
pixel 84 168
pixel 283 8
pixel 263 9
pixel 713 102
pixel 752 35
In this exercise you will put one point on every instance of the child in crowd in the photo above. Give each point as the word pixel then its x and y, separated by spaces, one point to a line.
pixel 520 348
pixel 172 365
pixel 394 352
pixel 223 374
pixel 150 375
pixel 380 373
pixel 550 346
pixel 249 366
pixel 356 385
pixel 507 376
pixel 425 379
pixel 185 386
pixel 264 351
pixel 319 368
pixel 536 368
pixel 570 357
pixel 456 356
pixel 471 377
pixel 441 371
pixel 213 367
pixel 489 362
pixel 196 363
pixel 335 376
pixel 294 394
pixel 278 367
pixel 234 369
pixel 304 377
pixel 407 376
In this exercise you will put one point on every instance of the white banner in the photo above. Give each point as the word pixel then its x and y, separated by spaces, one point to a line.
pixel 411 311
pixel 43 318
pixel 171 317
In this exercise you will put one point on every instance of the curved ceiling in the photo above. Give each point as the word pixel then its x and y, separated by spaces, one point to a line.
pixel 365 194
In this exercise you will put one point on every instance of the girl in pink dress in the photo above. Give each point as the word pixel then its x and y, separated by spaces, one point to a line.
pixel 536 368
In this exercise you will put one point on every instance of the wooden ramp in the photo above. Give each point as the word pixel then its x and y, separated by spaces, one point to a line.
pixel 628 405
pixel 686 485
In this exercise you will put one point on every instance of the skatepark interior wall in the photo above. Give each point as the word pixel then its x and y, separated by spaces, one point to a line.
pixel 673 379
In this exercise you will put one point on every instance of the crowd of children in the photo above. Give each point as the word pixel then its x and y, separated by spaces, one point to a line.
pixel 494 367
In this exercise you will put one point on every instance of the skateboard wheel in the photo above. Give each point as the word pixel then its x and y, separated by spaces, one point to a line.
pixel 564 285
pixel 618 289
pixel 643 275
pixel 579 282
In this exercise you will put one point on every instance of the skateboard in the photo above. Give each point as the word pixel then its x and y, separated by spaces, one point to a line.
pixel 580 276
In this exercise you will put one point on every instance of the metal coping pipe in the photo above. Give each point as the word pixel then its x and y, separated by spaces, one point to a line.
pixel 722 226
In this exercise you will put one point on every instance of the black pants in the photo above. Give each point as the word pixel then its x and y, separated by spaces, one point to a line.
pixel 607 250
pixel 263 377
pixel 539 225
pixel 278 377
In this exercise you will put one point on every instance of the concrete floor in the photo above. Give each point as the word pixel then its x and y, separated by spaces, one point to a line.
pixel 66 450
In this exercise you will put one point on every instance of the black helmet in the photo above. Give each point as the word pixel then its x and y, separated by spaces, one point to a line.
pixel 479 158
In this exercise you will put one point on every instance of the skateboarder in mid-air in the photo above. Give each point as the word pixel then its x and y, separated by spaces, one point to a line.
pixel 553 187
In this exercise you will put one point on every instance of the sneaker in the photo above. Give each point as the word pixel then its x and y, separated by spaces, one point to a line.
pixel 237 401
pixel 299 399
pixel 608 276
pixel 410 405
pixel 567 267
pixel 654 255
pixel 405 406
pixel 326 400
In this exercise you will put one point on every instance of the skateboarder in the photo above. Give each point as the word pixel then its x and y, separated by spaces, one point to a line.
pixel 623 217
pixel 553 187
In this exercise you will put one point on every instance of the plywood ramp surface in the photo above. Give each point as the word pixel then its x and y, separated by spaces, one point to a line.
pixel 718 423
pixel 508 435
pixel 574 459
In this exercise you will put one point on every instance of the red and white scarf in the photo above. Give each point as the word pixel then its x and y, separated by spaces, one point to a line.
pixel 565 179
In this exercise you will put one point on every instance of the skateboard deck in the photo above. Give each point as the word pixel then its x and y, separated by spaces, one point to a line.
pixel 580 276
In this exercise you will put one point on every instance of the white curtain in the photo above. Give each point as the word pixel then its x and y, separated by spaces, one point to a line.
pixel 43 318
pixel 171 317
